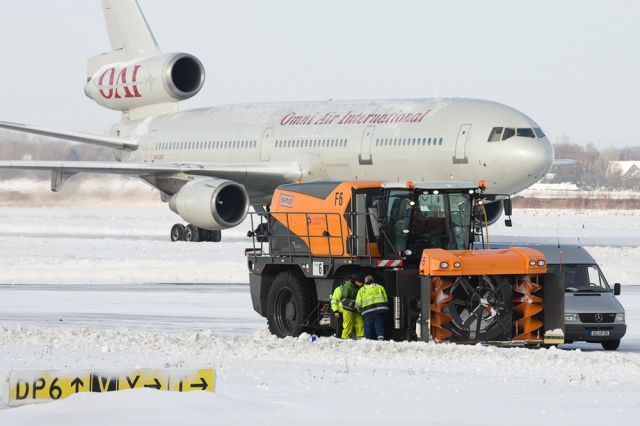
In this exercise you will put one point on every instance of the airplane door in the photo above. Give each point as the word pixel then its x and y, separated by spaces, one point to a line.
pixel 365 147
pixel 461 145
pixel 149 145
pixel 266 146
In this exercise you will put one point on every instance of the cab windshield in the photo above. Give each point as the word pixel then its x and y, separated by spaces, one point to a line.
pixel 582 278
pixel 426 220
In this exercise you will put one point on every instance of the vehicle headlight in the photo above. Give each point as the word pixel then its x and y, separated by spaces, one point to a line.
pixel 444 265
pixel 571 318
pixel 456 264
pixel 541 263
pixel 532 263
pixel 620 317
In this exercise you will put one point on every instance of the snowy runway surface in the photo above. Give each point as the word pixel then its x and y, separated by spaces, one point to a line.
pixel 78 289
pixel 225 308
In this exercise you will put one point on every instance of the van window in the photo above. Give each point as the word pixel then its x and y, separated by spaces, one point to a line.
pixel 587 278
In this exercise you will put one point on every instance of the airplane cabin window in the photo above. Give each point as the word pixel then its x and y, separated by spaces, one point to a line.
pixel 496 134
pixel 526 133
pixel 508 133
pixel 440 141
pixel 539 133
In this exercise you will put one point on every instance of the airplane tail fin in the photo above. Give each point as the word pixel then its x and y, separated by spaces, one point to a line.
pixel 129 35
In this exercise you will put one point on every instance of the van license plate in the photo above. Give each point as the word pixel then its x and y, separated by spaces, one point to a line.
pixel 599 333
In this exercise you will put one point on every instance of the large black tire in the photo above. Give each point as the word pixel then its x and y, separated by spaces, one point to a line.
pixel 177 232
pixel 611 345
pixel 192 234
pixel 290 303
pixel 215 236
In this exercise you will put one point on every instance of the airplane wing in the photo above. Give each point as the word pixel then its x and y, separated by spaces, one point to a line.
pixel 273 173
pixel 115 143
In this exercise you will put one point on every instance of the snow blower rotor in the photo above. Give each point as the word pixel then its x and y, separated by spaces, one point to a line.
pixel 480 309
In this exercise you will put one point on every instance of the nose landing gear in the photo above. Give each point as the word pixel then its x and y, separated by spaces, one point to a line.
pixel 193 234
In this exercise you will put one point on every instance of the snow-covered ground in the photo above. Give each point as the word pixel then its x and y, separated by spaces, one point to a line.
pixel 100 286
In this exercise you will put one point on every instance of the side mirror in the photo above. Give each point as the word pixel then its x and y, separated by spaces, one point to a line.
pixel 617 288
pixel 508 208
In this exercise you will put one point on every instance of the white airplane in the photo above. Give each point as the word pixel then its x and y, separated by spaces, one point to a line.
pixel 212 164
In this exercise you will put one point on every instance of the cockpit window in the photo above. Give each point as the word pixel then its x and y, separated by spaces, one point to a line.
pixel 504 133
pixel 508 133
pixel 526 133
pixel 496 134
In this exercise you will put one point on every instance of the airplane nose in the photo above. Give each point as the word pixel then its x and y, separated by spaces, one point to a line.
pixel 536 156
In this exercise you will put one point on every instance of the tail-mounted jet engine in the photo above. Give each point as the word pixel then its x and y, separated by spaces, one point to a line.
pixel 165 78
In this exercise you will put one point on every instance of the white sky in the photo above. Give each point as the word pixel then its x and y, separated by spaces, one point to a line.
pixel 572 65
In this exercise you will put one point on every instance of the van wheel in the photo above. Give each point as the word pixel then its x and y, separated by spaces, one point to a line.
pixel 611 345
pixel 289 304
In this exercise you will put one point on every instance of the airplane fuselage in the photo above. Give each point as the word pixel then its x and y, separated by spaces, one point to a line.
pixel 417 139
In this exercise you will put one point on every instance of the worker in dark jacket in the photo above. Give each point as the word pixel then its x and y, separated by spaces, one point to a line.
pixel 372 303
pixel 343 302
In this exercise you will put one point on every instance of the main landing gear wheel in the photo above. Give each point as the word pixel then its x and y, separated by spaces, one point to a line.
pixel 289 304
pixel 215 236
pixel 177 232
pixel 480 309
pixel 192 234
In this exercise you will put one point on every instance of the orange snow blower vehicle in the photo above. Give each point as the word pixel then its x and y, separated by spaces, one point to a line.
pixel 418 239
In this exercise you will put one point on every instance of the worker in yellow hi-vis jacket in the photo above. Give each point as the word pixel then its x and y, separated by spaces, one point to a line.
pixel 372 303
pixel 343 302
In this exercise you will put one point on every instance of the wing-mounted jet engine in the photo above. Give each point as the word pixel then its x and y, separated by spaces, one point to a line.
pixel 165 78
pixel 209 205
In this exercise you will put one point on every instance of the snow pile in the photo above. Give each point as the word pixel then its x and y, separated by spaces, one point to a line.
pixel 435 359
pixel 287 381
